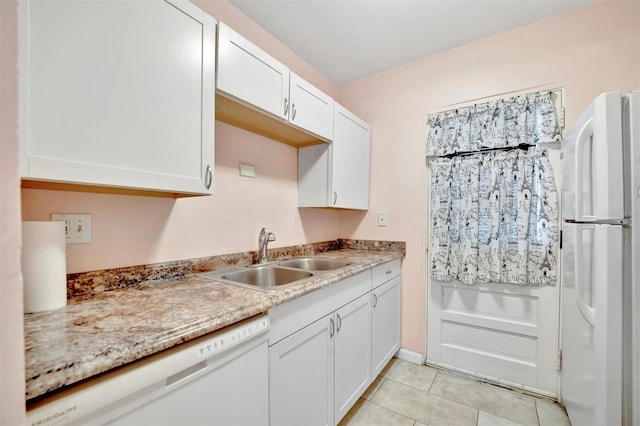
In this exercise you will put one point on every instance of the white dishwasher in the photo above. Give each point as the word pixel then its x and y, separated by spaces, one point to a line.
pixel 217 379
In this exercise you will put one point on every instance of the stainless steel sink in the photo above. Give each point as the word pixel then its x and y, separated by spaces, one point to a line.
pixel 278 276
pixel 314 264
pixel 267 278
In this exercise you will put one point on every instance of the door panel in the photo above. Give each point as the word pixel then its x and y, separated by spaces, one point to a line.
pixel 503 332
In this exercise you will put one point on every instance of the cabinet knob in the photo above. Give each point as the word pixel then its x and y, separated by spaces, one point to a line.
pixel 208 177
pixel 293 112
pixel 375 300
pixel 286 106
pixel 331 327
pixel 335 197
pixel 388 272
pixel 339 323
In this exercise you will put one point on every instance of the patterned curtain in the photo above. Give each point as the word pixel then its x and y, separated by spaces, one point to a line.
pixel 522 120
pixel 494 215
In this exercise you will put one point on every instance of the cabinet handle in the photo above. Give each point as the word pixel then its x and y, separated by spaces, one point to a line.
pixel 208 177
pixel 375 300
pixel 335 197
pixel 293 112
pixel 286 106
pixel 388 272
pixel 331 327
pixel 339 323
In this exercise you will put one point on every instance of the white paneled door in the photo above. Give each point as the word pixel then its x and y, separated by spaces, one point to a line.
pixel 503 332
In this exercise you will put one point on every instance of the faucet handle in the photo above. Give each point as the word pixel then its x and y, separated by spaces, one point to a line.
pixel 271 236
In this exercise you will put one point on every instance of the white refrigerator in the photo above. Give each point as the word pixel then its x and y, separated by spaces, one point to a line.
pixel 600 377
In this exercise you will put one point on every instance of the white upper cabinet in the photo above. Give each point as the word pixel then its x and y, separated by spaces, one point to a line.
pixel 258 84
pixel 249 74
pixel 350 160
pixel 311 109
pixel 117 94
pixel 337 175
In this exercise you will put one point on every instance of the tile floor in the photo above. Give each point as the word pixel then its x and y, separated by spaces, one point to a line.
pixel 410 394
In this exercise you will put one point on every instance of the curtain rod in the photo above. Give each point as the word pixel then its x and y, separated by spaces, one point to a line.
pixel 521 147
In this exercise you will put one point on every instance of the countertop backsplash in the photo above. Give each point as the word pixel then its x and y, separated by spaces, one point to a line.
pixel 88 283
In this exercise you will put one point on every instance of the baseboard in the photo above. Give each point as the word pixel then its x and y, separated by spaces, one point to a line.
pixel 409 356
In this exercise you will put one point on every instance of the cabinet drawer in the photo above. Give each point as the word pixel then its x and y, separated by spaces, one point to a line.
pixel 291 316
pixel 383 273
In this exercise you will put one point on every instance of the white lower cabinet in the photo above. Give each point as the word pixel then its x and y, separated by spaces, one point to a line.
pixel 326 347
pixel 301 376
pixel 323 368
pixel 352 354
pixel 385 319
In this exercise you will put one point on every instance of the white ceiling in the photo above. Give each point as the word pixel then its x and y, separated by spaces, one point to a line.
pixel 350 39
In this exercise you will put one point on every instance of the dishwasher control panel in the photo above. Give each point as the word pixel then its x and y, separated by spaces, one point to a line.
pixel 233 337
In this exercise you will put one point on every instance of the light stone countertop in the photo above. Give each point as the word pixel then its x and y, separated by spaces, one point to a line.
pixel 97 333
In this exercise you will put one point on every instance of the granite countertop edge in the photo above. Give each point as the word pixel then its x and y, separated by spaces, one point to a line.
pixel 95 334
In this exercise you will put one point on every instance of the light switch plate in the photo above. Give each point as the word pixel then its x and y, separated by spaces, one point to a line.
pixel 383 219
pixel 77 227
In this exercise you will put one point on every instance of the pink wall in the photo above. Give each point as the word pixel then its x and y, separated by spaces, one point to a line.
pixel 11 334
pixel 130 230
pixel 587 51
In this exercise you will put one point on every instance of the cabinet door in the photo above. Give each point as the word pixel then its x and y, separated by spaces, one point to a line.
pixel 337 174
pixel 301 376
pixel 385 316
pixel 117 93
pixel 248 73
pixel 352 353
pixel 350 161
pixel 311 109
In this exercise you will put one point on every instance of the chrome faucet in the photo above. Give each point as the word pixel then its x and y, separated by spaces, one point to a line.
pixel 263 240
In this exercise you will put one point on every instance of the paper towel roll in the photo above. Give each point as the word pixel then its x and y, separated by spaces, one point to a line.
pixel 44 266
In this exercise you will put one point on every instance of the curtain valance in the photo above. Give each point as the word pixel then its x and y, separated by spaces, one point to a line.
pixel 521 120
pixel 494 218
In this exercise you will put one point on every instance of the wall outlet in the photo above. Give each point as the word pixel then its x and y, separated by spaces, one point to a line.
pixel 383 219
pixel 77 227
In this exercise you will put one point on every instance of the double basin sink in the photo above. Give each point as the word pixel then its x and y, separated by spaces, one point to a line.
pixel 280 275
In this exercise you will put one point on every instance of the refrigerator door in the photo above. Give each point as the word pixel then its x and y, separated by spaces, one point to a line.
pixel 591 323
pixel 592 163
pixel 634 139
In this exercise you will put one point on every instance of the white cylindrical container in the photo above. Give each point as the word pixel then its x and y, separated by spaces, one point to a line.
pixel 44 266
